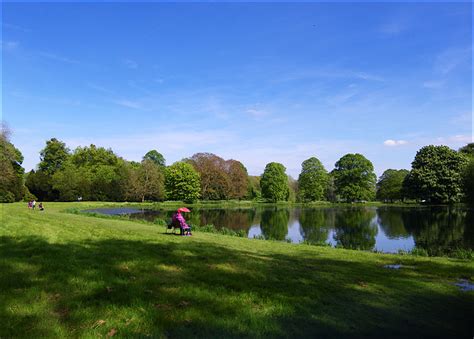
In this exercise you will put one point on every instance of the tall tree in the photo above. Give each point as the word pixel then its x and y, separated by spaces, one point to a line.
pixel 182 182
pixel 468 182
pixel 436 174
pixel 146 182
pixel 274 183
pixel 215 181
pixel 53 156
pixel 254 192
pixel 156 157
pixel 11 171
pixel 238 178
pixel 390 185
pixel 313 180
pixel 354 178
pixel 468 150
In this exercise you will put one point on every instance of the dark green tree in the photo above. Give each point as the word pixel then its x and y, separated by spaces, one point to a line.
pixel 254 191
pixel 146 182
pixel 182 182
pixel 274 183
pixel 312 181
pixel 468 182
pixel 156 157
pixel 354 178
pixel 436 174
pixel 53 156
pixel 390 185
pixel 11 172
pixel 468 150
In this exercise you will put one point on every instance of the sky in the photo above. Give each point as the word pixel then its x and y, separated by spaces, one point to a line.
pixel 255 82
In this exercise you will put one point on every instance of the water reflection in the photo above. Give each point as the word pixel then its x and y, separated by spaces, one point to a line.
pixel 436 229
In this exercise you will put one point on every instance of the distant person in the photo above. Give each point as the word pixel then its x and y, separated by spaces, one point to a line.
pixel 30 204
pixel 33 204
pixel 40 206
pixel 178 219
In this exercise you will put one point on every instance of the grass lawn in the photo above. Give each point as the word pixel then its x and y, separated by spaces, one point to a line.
pixel 79 276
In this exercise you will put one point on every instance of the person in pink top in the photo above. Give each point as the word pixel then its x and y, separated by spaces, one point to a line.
pixel 178 219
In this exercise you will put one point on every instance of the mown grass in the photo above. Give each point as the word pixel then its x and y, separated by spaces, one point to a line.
pixel 67 275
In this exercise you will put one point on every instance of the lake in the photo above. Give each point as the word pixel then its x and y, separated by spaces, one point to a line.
pixel 436 229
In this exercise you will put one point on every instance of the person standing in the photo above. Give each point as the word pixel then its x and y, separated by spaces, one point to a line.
pixel 33 204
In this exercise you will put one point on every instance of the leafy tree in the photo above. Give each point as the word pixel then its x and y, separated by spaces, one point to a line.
pixel 182 182
pixel 215 181
pixel 70 182
pixel 330 192
pixel 156 157
pixel 253 191
pixel 53 156
pixel 146 182
pixel 354 178
pixel 274 183
pixel 11 171
pixel 436 174
pixel 468 182
pixel 312 180
pixel 39 184
pixel 390 185
pixel 293 189
pixel 468 150
pixel 238 179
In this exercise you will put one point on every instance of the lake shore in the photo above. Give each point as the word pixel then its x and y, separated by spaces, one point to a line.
pixel 72 275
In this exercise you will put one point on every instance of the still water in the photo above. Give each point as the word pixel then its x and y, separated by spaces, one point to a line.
pixel 388 229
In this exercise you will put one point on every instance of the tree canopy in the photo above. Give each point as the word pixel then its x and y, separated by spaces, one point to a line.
pixel 312 181
pixel 274 183
pixel 11 177
pixel 156 157
pixel 354 178
pixel 390 185
pixel 182 182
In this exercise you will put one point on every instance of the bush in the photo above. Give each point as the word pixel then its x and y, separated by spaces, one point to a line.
pixel 419 252
pixel 6 196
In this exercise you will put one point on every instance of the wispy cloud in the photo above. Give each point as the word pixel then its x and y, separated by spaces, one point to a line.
pixel 450 59
pixel 57 57
pixel 15 27
pixel 330 73
pixel 462 119
pixel 128 103
pixel 100 88
pixel 433 84
pixel 257 113
pixel 394 143
pixel 9 45
pixel 130 64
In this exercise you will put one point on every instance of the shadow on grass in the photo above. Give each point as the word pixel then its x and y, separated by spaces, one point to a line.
pixel 196 289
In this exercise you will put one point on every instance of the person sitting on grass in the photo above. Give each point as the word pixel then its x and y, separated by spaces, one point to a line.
pixel 40 206
pixel 178 219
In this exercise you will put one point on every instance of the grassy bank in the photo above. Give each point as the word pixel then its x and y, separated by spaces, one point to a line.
pixel 72 275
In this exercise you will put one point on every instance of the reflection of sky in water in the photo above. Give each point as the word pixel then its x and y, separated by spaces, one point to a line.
pixel 254 231
pixel 384 244
pixel 294 232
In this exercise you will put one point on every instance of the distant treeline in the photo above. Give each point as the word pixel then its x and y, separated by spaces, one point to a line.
pixel 438 175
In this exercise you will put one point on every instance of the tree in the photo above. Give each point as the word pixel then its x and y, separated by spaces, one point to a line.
pixel 312 180
pixel 436 174
pixel 354 178
pixel 11 171
pixel 182 182
pixel 238 179
pixel 146 182
pixel 468 182
pixel 53 156
pixel 468 150
pixel 215 181
pixel 253 191
pixel 156 157
pixel 274 183
pixel 390 185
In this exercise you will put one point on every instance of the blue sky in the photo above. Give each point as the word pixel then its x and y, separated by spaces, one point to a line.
pixel 253 82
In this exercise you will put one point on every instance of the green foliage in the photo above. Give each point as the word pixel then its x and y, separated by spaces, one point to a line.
pixel 147 181
pixel 355 229
pixel 274 224
pixel 53 156
pixel 182 182
pixel 390 185
pixel 11 171
pixel 253 189
pixel 312 181
pixel 436 175
pixel 468 182
pixel 274 183
pixel 156 157
pixel 354 178
pixel 468 150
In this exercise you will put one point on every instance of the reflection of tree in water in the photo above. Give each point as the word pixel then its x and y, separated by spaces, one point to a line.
pixel 391 222
pixel 439 230
pixel 354 229
pixel 274 223
pixel 314 225
pixel 235 219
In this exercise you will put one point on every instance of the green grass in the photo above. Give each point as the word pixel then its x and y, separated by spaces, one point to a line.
pixel 70 275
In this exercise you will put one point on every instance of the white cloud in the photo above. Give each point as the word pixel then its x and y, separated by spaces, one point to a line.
pixel 56 57
pixel 128 104
pixel 451 59
pixel 257 113
pixel 393 143
pixel 130 64
pixel 9 45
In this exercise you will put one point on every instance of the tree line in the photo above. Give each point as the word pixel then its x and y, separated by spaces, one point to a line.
pixel 438 175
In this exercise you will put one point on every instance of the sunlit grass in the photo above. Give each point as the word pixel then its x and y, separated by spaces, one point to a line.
pixel 72 275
